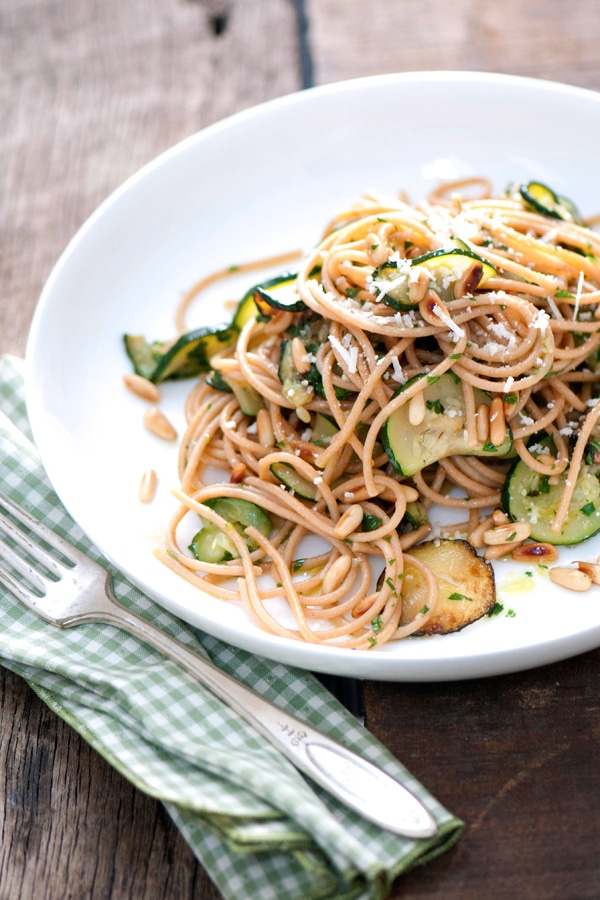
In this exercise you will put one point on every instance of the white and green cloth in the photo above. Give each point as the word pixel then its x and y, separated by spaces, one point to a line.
pixel 256 825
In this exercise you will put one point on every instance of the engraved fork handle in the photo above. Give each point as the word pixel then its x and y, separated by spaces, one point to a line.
pixel 356 782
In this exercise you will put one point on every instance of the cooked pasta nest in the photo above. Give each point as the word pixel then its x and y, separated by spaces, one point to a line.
pixel 526 334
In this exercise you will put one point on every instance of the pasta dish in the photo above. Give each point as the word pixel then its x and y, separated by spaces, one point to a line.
pixel 438 355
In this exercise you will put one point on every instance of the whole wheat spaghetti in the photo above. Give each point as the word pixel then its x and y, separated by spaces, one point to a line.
pixel 491 292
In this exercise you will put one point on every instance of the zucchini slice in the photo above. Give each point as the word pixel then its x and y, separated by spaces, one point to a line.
pixel 144 355
pixel 245 310
pixel 189 355
pixel 279 293
pixel 288 475
pixel 441 433
pixel 542 199
pixel 295 386
pixel 415 515
pixel 467 588
pixel 528 496
pixel 212 545
pixel 217 382
pixel 391 281
pixel 249 399
pixel 192 352
pixel 324 429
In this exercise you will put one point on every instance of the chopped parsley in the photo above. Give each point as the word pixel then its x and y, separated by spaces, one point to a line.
pixel 457 596
pixel 371 522
pixel 496 609
pixel 376 624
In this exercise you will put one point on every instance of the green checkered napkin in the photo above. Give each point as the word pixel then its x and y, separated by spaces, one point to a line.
pixel 255 824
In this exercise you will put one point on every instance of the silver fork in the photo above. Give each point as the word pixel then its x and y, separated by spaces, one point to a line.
pixel 79 590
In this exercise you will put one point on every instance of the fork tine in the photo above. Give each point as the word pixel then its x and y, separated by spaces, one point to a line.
pixel 30 546
pixel 9 555
pixel 41 531
pixel 18 589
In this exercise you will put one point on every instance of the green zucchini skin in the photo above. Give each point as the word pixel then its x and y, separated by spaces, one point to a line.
pixel 295 386
pixel 188 356
pixel 411 448
pixel 279 293
pixel 212 545
pixel 192 352
pixel 542 199
pixel 444 267
pixel 300 388
pixel 144 355
pixel 527 496
pixel 286 474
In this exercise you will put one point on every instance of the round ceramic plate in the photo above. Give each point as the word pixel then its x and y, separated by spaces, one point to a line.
pixel 259 183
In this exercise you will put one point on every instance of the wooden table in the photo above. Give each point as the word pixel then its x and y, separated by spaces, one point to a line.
pixel 88 93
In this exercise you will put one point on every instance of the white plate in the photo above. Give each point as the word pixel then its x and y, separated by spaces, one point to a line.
pixel 261 182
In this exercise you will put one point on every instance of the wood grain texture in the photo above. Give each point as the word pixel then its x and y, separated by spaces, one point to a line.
pixel 89 92
pixel 518 758
pixel 542 38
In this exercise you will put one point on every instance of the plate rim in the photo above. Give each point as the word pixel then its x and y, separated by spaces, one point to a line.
pixel 326 659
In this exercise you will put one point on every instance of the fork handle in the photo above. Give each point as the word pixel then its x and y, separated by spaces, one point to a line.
pixel 356 782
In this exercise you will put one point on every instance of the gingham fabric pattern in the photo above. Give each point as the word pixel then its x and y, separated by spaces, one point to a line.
pixel 258 827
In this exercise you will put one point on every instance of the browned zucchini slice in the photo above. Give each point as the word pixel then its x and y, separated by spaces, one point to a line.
pixel 466 583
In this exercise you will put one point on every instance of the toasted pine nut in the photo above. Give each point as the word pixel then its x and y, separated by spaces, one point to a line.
pixel 573 579
pixel 238 473
pixel 335 575
pixel 349 521
pixel 142 387
pixel 410 493
pixel 416 409
pixel 264 429
pixel 418 285
pixel 482 423
pixel 156 422
pixel 497 551
pixel 303 414
pixel 497 422
pixel 299 356
pixel 147 487
pixel 469 281
pixel 475 536
pixel 499 517
pixel 361 608
pixel 511 533
pixel 591 569
pixel 433 310
pixel 528 553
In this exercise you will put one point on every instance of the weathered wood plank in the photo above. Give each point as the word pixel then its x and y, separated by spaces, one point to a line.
pixel 517 759
pixel 90 92
pixel 543 38
pixel 72 827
